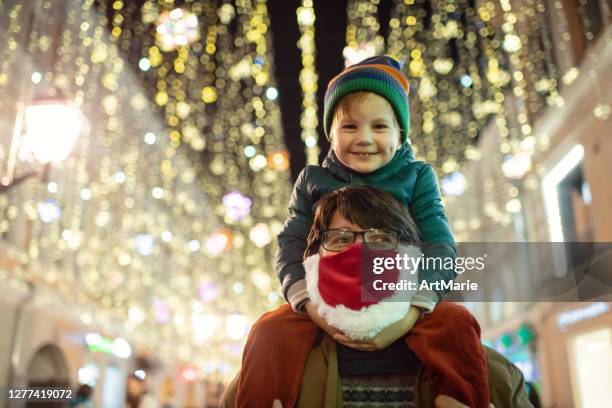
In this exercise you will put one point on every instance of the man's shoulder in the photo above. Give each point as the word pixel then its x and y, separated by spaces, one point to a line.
pixel 504 377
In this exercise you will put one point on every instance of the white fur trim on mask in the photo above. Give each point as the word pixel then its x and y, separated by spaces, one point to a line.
pixel 370 320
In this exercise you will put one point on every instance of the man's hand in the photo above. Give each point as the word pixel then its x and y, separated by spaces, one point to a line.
pixel 387 336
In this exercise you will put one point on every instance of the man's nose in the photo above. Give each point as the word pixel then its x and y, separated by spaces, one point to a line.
pixel 359 238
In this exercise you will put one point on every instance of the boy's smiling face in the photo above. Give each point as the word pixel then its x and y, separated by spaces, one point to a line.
pixel 364 132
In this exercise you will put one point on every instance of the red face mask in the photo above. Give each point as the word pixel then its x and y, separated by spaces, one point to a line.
pixel 346 278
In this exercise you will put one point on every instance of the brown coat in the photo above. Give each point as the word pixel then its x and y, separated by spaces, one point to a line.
pixel 446 341
pixel 321 385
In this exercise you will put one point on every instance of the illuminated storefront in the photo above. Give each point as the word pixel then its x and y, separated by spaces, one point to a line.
pixel 576 350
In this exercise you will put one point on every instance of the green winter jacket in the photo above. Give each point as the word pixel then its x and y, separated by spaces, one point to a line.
pixel 412 182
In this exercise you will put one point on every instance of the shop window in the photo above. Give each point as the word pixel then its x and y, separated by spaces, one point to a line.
pixel 574 201
pixel 591 359
pixel 48 366
pixel 567 198
pixel 113 393
pixel 48 369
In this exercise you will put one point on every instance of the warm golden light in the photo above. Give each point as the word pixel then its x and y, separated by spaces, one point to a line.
pixel 51 130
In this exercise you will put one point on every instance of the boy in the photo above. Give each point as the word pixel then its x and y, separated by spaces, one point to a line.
pixel 367 120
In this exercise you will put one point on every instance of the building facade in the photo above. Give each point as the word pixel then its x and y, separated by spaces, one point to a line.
pixel 563 195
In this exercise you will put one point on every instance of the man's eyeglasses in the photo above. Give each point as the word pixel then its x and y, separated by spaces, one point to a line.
pixel 337 240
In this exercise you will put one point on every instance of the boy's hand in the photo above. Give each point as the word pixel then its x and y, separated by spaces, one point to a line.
pixel 398 329
pixel 387 336
pixel 319 321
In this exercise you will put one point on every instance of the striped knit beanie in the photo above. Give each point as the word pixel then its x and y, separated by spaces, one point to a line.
pixel 381 75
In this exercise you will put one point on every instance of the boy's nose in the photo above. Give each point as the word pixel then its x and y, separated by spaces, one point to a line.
pixel 364 136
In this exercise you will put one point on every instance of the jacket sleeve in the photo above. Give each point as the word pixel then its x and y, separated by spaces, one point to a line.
pixel 428 213
pixel 506 382
pixel 292 239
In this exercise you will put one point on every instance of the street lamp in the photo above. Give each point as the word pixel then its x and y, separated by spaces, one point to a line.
pixel 45 131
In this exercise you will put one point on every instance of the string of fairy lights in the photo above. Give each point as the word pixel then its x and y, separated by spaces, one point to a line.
pixel 469 66
pixel 362 31
pixel 163 227
pixel 161 224
pixel 308 81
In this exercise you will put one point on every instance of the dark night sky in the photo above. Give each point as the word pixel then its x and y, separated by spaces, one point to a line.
pixel 330 32
pixel 330 27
